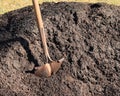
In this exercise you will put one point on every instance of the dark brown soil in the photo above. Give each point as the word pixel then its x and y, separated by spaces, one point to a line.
pixel 89 36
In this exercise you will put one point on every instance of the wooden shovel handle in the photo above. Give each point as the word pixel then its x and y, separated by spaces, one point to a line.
pixel 41 28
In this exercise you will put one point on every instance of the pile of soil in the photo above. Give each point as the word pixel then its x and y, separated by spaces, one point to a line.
pixel 88 35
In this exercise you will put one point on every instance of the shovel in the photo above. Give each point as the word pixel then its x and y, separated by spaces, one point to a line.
pixel 50 67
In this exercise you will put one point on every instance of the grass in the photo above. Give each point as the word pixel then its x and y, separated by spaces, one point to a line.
pixel 8 5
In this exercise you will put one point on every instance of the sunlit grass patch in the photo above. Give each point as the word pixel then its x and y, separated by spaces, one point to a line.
pixel 8 5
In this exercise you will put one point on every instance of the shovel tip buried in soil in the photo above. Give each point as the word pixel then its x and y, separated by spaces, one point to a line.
pixel 43 71
pixel 48 69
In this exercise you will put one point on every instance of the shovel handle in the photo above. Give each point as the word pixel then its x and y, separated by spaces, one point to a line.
pixel 41 28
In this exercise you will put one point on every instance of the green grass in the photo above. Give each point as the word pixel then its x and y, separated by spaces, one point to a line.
pixel 8 5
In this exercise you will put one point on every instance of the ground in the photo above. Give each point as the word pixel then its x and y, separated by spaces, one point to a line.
pixel 88 35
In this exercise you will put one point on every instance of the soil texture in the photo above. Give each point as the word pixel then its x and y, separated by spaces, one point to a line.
pixel 87 34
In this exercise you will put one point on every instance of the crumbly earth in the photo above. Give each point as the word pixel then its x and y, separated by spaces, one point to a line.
pixel 87 34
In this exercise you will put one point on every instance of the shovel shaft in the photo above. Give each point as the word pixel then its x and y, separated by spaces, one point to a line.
pixel 41 28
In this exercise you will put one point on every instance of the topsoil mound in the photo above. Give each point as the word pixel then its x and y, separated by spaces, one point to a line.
pixel 88 35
